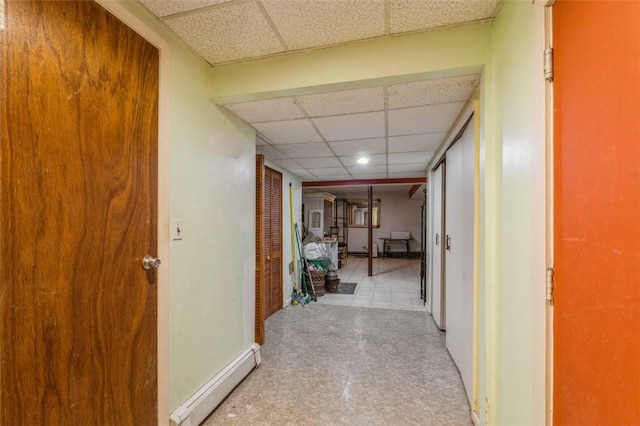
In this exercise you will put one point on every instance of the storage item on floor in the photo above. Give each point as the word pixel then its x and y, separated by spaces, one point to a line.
pixel 331 282
pixel 317 278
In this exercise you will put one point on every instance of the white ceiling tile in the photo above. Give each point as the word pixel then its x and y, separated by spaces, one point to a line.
pixel 343 102
pixel 354 126
pixel 267 110
pixel 410 143
pixel 413 15
pixel 455 89
pixel 373 159
pixel 404 168
pixel 320 23
pixel 260 141
pixel 301 172
pixel 232 32
pixel 290 131
pixel 359 147
pixel 270 153
pixel 319 162
pixel 366 168
pixel 287 164
pixel 425 119
pixel 168 7
pixel 406 175
pixel 411 157
pixel 329 171
pixel 306 150
pixel 370 176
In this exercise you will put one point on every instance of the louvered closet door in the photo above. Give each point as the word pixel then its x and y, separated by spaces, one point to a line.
pixel 273 240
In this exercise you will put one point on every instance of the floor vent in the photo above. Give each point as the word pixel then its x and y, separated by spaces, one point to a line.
pixel 199 406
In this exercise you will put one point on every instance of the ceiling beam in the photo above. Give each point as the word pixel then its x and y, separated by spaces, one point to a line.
pixel 413 190
pixel 365 182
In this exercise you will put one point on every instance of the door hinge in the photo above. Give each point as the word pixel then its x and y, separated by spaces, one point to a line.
pixel 548 64
pixel 550 285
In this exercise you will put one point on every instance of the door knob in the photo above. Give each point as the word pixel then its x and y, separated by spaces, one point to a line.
pixel 268 257
pixel 437 239
pixel 151 262
pixel 447 245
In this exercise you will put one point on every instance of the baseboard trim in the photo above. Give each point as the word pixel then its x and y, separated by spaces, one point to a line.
pixel 204 401
pixel 475 419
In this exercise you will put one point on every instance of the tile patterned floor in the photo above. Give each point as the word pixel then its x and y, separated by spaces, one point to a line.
pixel 326 364
pixel 395 284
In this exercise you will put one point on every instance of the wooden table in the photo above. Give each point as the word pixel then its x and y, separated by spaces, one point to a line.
pixel 386 242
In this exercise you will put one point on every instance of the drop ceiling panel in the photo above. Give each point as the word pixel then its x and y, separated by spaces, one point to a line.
pixel 306 150
pixel 343 102
pixel 373 159
pixel 410 143
pixel 406 175
pixel 410 158
pixel 329 171
pixel 456 89
pixel 287 164
pixel 301 172
pixel 319 162
pixel 270 153
pixel 164 7
pixel 425 119
pixel 366 168
pixel 407 168
pixel 359 147
pixel 289 131
pixel 231 32
pixel 370 176
pixel 321 23
pixel 354 126
pixel 414 15
pixel 268 110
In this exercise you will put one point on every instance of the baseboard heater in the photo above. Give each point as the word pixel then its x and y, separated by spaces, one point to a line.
pixel 199 406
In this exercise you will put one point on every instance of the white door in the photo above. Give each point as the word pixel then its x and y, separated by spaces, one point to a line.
pixel 316 222
pixel 437 307
pixel 458 254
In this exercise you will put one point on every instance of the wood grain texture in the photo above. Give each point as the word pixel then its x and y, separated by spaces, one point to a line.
pixel 78 211
pixel 259 277
pixel 273 241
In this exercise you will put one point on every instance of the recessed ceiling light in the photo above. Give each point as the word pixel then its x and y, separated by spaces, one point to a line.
pixel 363 160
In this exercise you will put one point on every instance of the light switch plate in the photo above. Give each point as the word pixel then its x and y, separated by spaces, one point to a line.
pixel 176 229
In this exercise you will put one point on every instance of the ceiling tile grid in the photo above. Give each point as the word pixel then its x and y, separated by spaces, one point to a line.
pixel 352 126
pixel 277 109
pixel 305 24
pixel 321 135
pixel 163 8
pixel 359 147
pixel 288 131
pixel 343 102
pixel 416 15
pixel 235 31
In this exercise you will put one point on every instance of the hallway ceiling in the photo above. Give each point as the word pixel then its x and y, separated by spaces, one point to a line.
pixel 320 136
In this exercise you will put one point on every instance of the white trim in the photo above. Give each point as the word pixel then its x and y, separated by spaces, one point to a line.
pixel 197 408
pixel 137 25
pixel 453 132
pixel 549 177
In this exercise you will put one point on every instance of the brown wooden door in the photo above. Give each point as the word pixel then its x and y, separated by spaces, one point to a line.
pixel 596 213
pixel 78 208
pixel 273 240
pixel 268 245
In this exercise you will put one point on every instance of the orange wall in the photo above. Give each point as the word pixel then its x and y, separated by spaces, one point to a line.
pixel 597 216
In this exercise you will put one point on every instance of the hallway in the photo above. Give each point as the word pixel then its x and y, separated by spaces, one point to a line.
pixel 395 284
pixel 326 364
